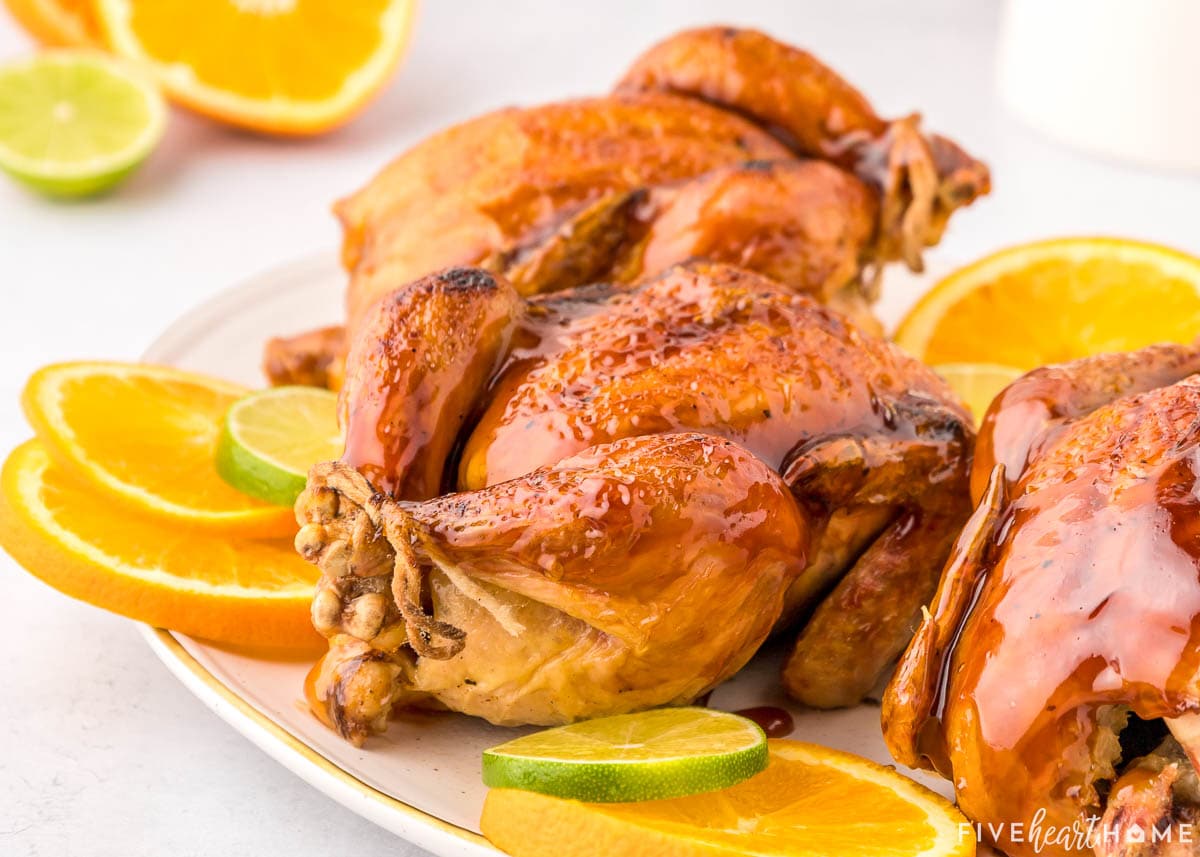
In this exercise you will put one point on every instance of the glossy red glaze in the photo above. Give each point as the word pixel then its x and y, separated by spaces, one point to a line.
pixel 1089 595
pixel 622 524
pixel 776 722
pixel 418 363
pixel 717 349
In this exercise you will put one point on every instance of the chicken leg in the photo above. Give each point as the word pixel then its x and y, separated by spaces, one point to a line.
pixel 806 224
pixel 634 574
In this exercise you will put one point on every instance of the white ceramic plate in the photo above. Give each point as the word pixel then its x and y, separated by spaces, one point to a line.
pixel 422 779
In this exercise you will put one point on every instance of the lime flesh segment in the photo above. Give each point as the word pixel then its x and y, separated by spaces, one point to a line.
pixel 75 123
pixel 670 752
pixel 271 438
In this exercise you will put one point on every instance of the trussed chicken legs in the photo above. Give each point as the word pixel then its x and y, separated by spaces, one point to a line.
pixel 571 591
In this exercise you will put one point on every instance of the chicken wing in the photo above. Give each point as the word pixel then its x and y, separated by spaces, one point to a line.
pixel 634 574
pixel 819 115
pixel 418 364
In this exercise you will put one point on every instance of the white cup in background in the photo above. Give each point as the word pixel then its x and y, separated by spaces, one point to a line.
pixel 1120 78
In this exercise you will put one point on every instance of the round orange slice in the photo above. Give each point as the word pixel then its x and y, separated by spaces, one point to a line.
pixel 283 66
pixel 57 23
pixel 1054 301
pixel 241 591
pixel 811 801
pixel 147 435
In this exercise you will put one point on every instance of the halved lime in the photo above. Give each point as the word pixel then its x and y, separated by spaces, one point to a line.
pixel 665 753
pixel 74 123
pixel 271 438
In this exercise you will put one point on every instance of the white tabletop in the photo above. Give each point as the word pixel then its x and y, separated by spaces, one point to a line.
pixel 101 751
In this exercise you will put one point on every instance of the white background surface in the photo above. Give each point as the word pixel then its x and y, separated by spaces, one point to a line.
pixel 101 752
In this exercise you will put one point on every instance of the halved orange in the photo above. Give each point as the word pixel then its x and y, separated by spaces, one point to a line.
pixel 811 801
pixel 284 66
pixel 57 23
pixel 147 435
pixel 1058 300
pixel 241 591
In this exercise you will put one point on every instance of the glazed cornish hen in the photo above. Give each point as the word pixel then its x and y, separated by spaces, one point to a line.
pixel 1057 673
pixel 719 143
pixel 605 498
pixel 547 598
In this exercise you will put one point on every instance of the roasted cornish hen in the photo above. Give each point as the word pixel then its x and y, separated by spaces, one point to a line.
pixel 527 527
pixel 1057 674
pixel 618 436
pixel 719 144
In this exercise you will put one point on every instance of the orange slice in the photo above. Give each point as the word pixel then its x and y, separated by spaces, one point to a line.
pixel 58 23
pixel 148 436
pixel 246 592
pixel 811 801
pixel 284 66
pixel 1054 301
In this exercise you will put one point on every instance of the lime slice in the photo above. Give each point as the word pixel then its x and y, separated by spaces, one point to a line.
pixel 670 752
pixel 74 123
pixel 271 438
pixel 978 383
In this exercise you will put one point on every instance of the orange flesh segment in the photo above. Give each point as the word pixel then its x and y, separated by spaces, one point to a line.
pixel 303 53
pixel 56 23
pixel 283 66
pixel 149 435
pixel 811 801
pixel 1054 301
pixel 1118 307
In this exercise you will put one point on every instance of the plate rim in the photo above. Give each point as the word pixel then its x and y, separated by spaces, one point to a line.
pixel 270 737
pixel 214 309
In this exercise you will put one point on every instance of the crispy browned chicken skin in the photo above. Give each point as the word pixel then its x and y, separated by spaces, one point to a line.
pixel 561 425
pixel 550 597
pixel 1063 642
pixel 718 143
